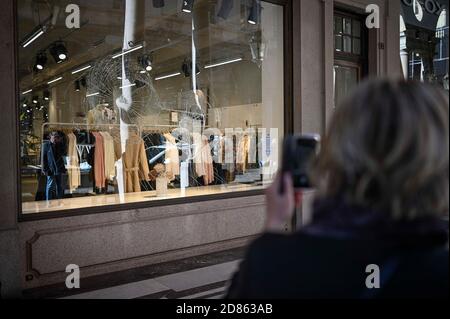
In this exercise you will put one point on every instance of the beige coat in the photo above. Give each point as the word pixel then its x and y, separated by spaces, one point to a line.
pixel 110 157
pixel 172 156
pixel 203 159
pixel 73 163
pixel 135 164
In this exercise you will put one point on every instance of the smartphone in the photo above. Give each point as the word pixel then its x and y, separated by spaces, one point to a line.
pixel 299 151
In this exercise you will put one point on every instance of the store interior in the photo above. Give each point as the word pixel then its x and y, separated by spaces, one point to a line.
pixel 136 103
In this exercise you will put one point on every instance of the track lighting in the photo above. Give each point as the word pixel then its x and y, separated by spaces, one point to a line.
pixel 158 3
pixel 41 61
pixel 55 80
pixel 58 52
pixel 225 9
pixel 166 76
pixel 81 69
pixel 213 65
pixel 188 5
pixel 255 13
pixel 36 33
pixel 137 47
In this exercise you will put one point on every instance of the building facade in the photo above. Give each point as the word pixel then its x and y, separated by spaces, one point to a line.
pixel 278 64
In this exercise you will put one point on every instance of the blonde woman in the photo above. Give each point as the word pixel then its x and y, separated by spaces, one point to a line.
pixel 380 226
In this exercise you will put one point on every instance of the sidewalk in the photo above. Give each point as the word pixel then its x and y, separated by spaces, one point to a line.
pixel 200 277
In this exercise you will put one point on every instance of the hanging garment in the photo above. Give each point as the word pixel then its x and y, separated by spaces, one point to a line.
pixel 197 156
pixel 172 160
pixel 208 162
pixel 242 151
pixel 99 162
pixel 203 158
pixel 229 145
pixel 101 114
pixel 135 164
pixel 73 163
pixel 110 157
pixel 154 148
pixel 218 149
pixel 53 159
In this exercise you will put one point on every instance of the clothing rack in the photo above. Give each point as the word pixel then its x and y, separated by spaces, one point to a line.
pixel 156 128
pixel 59 125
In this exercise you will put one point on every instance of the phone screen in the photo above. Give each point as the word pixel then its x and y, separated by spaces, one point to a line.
pixel 298 153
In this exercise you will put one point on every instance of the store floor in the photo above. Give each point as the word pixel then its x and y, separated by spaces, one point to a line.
pixel 201 277
pixel 115 199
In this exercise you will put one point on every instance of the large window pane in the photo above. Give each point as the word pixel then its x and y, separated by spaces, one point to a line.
pixel 148 104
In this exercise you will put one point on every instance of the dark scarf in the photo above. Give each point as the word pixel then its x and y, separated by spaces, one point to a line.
pixel 334 218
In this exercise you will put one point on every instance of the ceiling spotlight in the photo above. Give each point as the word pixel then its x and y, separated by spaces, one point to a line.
pixel 41 60
pixel 25 104
pixel 77 85
pixel 58 51
pixel 146 62
pixel 186 67
pixel 188 5
pixel 225 9
pixel 46 95
pixel 83 82
pixel 255 13
pixel 158 3
pixel 35 99
pixel 139 83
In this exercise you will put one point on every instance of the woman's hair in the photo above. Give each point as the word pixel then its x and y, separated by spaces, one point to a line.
pixel 388 148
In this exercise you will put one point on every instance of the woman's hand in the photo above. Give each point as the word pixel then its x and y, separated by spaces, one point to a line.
pixel 281 206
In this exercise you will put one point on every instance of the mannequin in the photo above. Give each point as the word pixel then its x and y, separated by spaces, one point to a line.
pixel 101 114
pixel 53 166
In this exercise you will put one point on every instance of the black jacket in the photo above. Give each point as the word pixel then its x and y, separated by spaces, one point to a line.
pixel 53 159
pixel 305 266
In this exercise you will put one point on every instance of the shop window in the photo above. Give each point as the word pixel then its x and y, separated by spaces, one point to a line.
pixel 178 100
pixel 350 53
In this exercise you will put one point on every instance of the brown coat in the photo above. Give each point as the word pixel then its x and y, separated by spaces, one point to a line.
pixel 99 161
pixel 135 164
